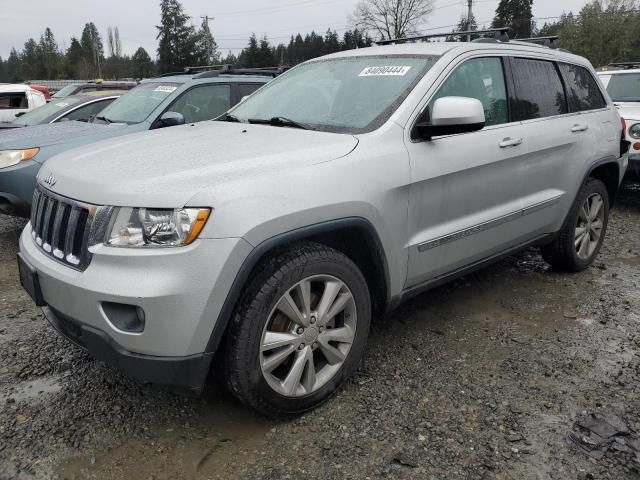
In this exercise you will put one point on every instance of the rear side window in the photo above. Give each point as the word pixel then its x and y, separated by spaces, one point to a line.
pixel 85 112
pixel 583 92
pixel 13 100
pixel 203 103
pixel 539 91
pixel 246 89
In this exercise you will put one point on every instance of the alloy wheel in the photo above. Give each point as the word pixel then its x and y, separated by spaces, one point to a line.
pixel 308 335
pixel 589 228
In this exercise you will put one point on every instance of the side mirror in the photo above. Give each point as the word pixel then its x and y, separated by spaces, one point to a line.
pixel 19 114
pixel 244 98
pixel 450 116
pixel 171 119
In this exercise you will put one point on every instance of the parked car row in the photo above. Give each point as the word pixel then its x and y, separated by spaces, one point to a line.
pixel 262 243
pixel 81 107
pixel 155 103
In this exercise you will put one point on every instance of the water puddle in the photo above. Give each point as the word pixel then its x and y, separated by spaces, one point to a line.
pixel 34 389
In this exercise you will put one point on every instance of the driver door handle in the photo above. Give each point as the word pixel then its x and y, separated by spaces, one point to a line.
pixel 580 127
pixel 510 142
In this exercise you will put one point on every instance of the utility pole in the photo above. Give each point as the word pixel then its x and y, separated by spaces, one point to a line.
pixel 469 17
pixel 207 46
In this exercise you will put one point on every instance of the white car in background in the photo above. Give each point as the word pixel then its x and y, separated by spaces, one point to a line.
pixel 623 85
pixel 18 99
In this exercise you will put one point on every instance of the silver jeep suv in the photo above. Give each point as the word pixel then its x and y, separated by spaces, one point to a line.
pixel 270 237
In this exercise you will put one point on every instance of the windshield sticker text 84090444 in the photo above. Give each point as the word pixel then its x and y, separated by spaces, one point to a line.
pixel 397 71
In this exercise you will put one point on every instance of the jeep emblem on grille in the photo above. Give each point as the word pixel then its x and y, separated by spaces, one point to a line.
pixel 50 180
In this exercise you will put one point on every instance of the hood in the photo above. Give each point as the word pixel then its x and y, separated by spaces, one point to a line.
pixel 55 133
pixel 629 110
pixel 167 167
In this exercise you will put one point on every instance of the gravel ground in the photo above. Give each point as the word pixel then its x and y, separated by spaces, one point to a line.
pixel 515 372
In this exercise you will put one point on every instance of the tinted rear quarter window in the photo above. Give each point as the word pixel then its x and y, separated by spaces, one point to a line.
pixel 246 89
pixel 13 100
pixel 539 91
pixel 583 92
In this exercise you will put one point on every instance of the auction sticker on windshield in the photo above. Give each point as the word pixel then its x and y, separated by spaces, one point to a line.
pixel 165 88
pixel 384 71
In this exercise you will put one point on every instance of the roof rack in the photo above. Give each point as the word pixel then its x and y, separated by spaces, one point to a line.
pixel 500 34
pixel 551 41
pixel 625 65
pixel 260 71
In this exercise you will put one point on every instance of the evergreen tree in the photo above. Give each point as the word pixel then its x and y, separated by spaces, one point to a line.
pixel 250 56
pixel 31 60
pixel 516 14
pixel 206 47
pixel 265 54
pixel 74 59
pixel 141 64
pixel 14 70
pixel 230 59
pixel 92 51
pixel 50 55
pixel 331 42
pixel 464 26
pixel 177 38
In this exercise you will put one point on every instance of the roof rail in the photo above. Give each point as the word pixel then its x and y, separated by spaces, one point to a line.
pixel 259 71
pixel 208 71
pixel 625 65
pixel 500 34
pixel 551 41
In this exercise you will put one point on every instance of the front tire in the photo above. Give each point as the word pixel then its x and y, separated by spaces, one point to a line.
pixel 581 237
pixel 299 330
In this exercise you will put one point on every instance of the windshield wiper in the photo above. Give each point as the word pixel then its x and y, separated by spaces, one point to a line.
pixel 227 117
pixel 104 119
pixel 279 122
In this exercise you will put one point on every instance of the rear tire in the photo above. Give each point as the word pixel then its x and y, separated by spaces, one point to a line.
pixel 298 332
pixel 579 242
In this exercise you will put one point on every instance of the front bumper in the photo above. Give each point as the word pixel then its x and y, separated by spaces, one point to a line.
pixel 16 188
pixel 181 291
pixel 184 372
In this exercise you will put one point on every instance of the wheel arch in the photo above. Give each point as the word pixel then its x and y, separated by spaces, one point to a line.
pixel 356 237
pixel 608 172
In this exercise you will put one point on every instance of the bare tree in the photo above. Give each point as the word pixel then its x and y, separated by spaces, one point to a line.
pixel 110 42
pixel 391 18
pixel 117 43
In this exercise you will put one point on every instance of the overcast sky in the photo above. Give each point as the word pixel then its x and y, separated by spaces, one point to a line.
pixel 234 20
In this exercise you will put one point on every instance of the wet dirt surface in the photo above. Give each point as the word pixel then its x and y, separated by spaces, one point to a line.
pixel 514 372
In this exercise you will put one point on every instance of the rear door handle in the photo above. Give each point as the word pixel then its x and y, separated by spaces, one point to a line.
pixel 510 142
pixel 580 128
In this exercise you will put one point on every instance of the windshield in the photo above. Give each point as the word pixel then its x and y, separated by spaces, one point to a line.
pixel 136 105
pixel 40 114
pixel 345 95
pixel 624 87
pixel 66 91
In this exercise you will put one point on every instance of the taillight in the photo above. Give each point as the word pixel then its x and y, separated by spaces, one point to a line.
pixel 624 144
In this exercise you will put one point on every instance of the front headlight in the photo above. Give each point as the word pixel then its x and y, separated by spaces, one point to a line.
pixel 153 227
pixel 634 131
pixel 9 158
